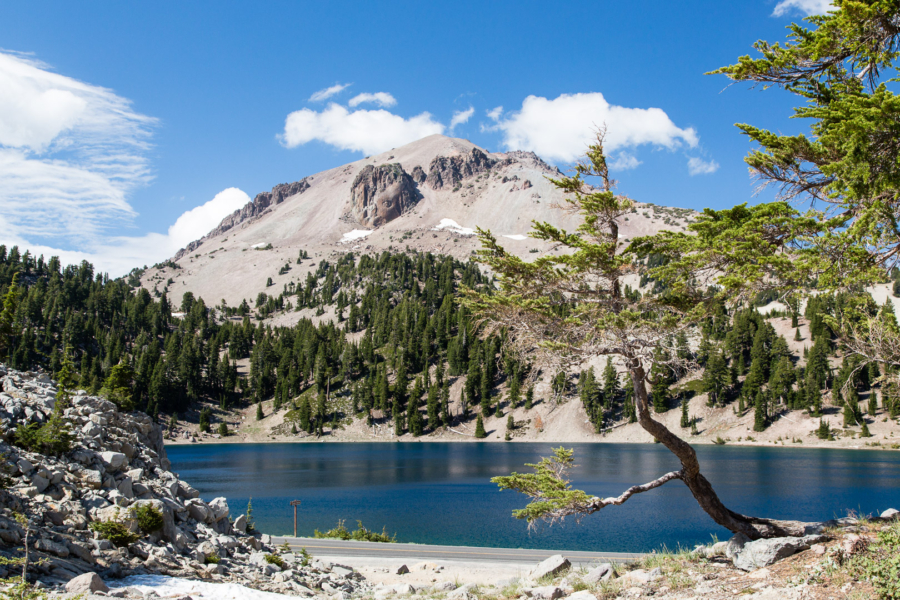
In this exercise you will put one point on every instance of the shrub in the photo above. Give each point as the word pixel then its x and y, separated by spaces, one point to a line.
pixel 274 559
pixel 212 559
pixel 149 518
pixel 880 564
pixel 115 532
pixel 360 535
pixel 53 437
pixel 223 429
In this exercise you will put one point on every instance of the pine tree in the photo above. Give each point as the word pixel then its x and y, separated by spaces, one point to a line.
pixel 259 411
pixel 510 423
pixel 797 336
pixel 305 421
pixel 759 415
pixel 529 398
pixel 685 418
pixel 479 428
pixel 864 432
pixel 849 417
pixel 694 427
pixel 433 408
pixel 873 403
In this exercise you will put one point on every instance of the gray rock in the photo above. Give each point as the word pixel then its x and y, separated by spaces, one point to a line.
pixel 582 595
pixel 401 570
pixel 554 565
pixel 547 592
pixel 51 547
pixel 240 524
pixel 219 508
pixel 86 584
pixel 734 546
pixel 25 466
pixel 891 513
pixel 40 483
pixel 444 586
pixel 762 553
pixel 602 572
pixel 404 589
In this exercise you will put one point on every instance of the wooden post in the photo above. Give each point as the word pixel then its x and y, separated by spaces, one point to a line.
pixel 295 504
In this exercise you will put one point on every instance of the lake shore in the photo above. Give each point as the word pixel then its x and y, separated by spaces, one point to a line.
pixel 561 424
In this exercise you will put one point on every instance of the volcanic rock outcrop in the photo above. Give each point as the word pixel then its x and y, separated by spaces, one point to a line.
pixel 381 194
pixel 447 171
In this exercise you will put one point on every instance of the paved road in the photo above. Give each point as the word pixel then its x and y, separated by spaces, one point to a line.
pixel 419 552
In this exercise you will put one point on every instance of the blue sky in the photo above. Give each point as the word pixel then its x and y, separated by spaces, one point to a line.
pixel 119 119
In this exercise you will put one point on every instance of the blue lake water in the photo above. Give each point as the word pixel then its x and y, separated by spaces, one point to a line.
pixel 440 493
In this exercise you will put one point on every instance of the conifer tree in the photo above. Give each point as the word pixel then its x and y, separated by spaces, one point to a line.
pixel 259 411
pixel 305 421
pixel 797 336
pixel 529 397
pixel 433 404
pixel 479 428
pixel 759 414
pixel 873 403
pixel 685 418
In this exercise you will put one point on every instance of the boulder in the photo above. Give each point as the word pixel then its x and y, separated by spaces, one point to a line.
pixel 582 595
pixel 219 508
pixel 762 553
pixel 602 572
pixel 404 589
pixel 734 545
pixel 113 460
pixel 86 584
pixel 240 524
pixel 554 565
pixel 401 570
pixel 199 511
pixel 547 592
pixel 891 514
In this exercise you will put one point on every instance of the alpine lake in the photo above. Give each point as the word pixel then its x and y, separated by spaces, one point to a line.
pixel 441 493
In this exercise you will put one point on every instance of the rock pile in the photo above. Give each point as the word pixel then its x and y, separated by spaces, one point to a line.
pixel 118 464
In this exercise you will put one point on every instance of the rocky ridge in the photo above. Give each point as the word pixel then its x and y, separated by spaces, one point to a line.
pixel 250 211
pixel 118 463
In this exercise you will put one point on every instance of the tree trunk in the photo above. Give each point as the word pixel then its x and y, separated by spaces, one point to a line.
pixel 753 527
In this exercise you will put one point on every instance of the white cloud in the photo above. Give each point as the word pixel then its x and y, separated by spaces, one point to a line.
pixel 367 131
pixel 698 166
pixel 329 92
pixel 460 117
pixel 808 7
pixel 561 129
pixel 117 255
pixel 379 98
pixel 494 113
pixel 624 161
pixel 70 154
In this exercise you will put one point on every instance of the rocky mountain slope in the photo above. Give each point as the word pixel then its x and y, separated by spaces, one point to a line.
pixel 428 195
pixel 116 466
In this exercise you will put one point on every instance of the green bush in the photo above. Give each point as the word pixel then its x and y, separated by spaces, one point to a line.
pixel 115 532
pixel 360 535
pixel 212 559
pixel 274 559
pixel 149 518
pixel 880 564
pixel 53 437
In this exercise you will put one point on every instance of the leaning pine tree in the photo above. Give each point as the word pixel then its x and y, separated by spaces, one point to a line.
pixel 561 310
